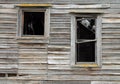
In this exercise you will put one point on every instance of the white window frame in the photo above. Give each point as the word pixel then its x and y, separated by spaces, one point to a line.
pixel 46 21
pixel 97 62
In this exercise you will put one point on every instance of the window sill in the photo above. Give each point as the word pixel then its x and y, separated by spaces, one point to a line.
pixel 86 66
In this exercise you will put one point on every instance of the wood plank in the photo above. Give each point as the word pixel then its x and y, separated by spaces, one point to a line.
pixel 81 6
pixel 8 11
pixel 34 60
pixel 111 15
pixel 82 77
pixel 83 71
pixel 111 25
pixel 65 82
pixel 105 82
pixel 111 20
pixel 31 77
pixel 60 25
pixel 59 30
pixel 57 62
pixel 32 71
pixel 59 67
pixel 111 67
pixel 32 66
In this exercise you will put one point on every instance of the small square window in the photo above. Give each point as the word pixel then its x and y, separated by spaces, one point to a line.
pixel 34 22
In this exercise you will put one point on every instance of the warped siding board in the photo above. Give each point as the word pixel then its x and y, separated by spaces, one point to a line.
pixel 111 15
pixel 60 29
pixel 58 61
pixel 34 60
pixel 53 35
pixel 52 57
pixel 89 1
pixel 65 82
pixel 32 66
pixel 83 71
pixel 59 48
pixel 111 20
pixel 33 55
pixel 108 41
pixel 30 41
pixel 33 77
pixel 115 6
pixel 9 60
pixel 58 67
pixel 92 10
pixel 25 1
pixel 32 71
pixel 61 1
pixel 60 24
pixel 35 1
pixel 8 16
pixel 8 11
pixel 111 66
pixel 32 46
pixel 83 77
pixel 105 82
pixel 95 1
pixel 62 19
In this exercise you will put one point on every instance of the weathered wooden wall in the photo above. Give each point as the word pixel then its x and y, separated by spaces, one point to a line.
pixel 34 60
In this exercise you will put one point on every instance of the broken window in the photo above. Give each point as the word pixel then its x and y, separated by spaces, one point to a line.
pixel 33 23
pixel 85 38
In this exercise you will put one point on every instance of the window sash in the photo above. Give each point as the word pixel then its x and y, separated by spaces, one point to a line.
pixel 79 41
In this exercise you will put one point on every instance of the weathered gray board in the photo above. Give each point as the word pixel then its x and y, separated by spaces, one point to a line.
pixel 36 59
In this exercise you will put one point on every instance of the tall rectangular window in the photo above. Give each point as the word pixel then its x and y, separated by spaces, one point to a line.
pixel 85 40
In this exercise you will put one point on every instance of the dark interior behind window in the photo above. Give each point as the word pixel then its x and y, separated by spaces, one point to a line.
pixel 33 23
pixel 86 52
pixel 85 45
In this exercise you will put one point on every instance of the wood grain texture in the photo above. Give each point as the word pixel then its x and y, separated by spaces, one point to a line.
pixel 36 60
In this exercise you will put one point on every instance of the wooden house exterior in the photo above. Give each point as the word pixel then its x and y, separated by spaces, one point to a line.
pixel 50 58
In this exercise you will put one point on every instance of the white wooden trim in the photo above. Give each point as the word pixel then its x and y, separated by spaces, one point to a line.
pixel 73 29
pixel 47 23
pixel 99 40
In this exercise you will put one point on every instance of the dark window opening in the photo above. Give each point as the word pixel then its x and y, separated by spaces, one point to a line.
pixel 86 52
pixel 85 28
pixel 85 45
pixel 33 23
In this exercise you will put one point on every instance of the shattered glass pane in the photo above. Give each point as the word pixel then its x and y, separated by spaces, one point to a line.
pixel 85 28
